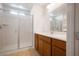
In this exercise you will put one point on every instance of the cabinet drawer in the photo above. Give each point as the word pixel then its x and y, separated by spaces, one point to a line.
pixel 59 43
pixel 45 38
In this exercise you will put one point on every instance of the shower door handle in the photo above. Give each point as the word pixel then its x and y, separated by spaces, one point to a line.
pixel 77 35
pixel 0 27
pixel 4 25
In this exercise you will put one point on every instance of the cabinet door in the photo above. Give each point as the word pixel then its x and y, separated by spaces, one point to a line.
pixel 47 49
pixel 40 47
pixel 36 42
pixel 59 52
pixel 52 51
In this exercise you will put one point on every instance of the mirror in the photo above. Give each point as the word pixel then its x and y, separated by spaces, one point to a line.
pixel 58 19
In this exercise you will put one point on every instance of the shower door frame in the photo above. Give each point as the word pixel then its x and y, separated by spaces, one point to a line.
pixel 18 34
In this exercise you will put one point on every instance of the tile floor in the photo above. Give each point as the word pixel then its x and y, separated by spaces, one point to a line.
pixel 25 52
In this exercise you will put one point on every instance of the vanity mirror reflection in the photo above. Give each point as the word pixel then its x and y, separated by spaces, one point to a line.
pixel 58 19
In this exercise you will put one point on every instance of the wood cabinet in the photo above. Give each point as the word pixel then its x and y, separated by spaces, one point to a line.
pixel 47 46
pixel 46 49
pixel 59 52
pixel 36 42
pixel 43 45
pixel 40 45
pixel 58 47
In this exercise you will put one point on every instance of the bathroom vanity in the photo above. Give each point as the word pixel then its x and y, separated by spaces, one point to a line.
pixel 53 43
pixel 50 45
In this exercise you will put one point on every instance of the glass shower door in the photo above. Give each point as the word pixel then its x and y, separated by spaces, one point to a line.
pixel 25 32
pixel 8 32
pixel 15 28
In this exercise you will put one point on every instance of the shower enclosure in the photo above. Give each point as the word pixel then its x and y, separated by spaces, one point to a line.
pixel 15 27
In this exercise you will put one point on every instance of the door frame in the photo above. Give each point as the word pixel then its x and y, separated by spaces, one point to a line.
pixel 70 48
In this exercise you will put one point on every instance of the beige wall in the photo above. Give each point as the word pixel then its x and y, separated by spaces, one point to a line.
pixel 40 17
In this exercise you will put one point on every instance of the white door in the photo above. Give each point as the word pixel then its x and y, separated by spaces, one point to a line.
pixel 25 34
pixel 77 29
pixel 8 32
pixel 74 32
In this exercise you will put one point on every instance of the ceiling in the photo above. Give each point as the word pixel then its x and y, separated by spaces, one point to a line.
pixel 52 6
pixel 17 6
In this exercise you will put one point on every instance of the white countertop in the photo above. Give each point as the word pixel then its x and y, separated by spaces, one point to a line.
pixel 55 35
